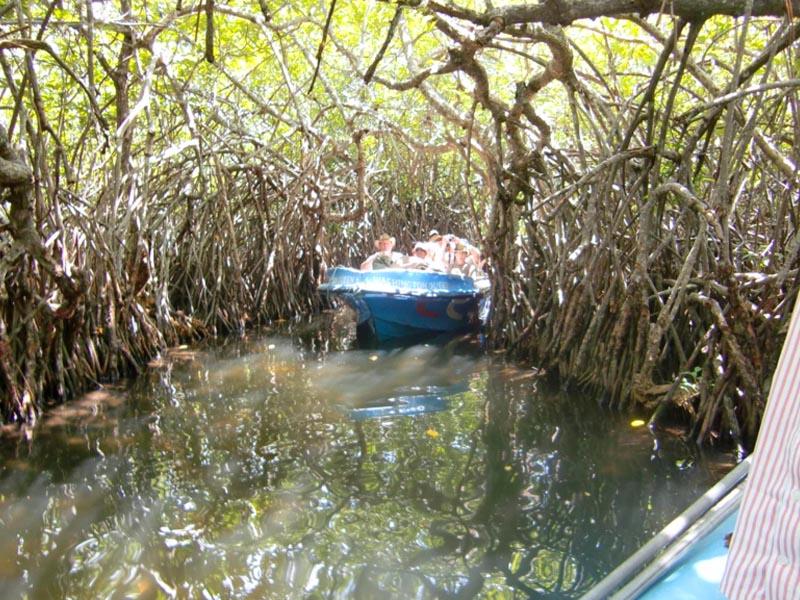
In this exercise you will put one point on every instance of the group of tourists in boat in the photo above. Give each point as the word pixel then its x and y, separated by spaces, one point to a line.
pixel 441 253
pixel 439 287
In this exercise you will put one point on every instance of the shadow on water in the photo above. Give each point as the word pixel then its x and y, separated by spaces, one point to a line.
pixel 295 464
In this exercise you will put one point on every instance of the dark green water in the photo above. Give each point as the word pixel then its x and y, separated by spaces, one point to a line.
pixel 273 467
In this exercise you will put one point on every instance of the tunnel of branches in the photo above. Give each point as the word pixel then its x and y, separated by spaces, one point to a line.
pixel 173 171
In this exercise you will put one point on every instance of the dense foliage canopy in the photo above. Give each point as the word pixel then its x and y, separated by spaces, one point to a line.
pixel 628 167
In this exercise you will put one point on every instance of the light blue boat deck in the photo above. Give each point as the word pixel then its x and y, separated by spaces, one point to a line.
pixel 686 559
pixel 698 574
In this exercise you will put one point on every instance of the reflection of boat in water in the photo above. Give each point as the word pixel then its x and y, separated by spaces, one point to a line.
pixel 407 381
pixel 398 406
pixel 417 401
pixel 403 303
pixel 687 558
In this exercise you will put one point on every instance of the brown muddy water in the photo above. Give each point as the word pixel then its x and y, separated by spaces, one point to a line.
pixel 295 465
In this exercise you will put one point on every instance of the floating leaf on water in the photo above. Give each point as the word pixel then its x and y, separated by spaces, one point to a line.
pixel 373 357
pixel 637 423
pixel 516 561
pixel 432 433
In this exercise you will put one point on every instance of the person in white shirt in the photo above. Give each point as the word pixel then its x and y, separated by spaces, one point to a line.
pixel 764 558
pixel 421 259
pixel 436 247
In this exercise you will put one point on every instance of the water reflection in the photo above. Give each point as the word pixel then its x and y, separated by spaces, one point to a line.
pixel 268 468
pixel 396 382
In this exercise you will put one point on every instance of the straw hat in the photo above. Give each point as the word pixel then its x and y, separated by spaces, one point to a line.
pixel 384 237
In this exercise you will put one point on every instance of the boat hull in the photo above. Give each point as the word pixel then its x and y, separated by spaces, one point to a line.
pixel 400 303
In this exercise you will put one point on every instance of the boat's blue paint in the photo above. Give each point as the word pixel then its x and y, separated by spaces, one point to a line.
pixel 397 303
pixel 699 573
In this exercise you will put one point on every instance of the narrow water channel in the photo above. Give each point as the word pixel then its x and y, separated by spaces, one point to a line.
pixel 290 465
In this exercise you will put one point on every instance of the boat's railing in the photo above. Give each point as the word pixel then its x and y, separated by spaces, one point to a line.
pixel 662 552
pixel 403 282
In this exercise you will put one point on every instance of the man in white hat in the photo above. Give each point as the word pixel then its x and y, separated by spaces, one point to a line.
pixel 385 257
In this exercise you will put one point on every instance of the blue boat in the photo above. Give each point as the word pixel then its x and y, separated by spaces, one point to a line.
pixel 408 303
